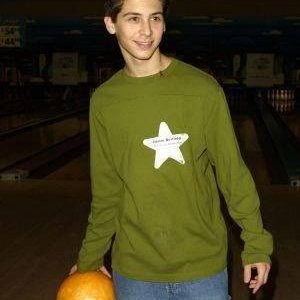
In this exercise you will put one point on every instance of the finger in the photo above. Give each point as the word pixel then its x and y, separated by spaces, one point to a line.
pixel 267 273
pixel 73 270
pixel 261 269
pixel 252 285
pixel 104 271
pixel 247 273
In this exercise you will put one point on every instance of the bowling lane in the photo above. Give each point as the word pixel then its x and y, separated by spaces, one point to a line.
pixel 32 141
pixel 77 169
pixel 293 123
pixel 41 229
pixel 17 120
pixel 251 149
pixel 14 121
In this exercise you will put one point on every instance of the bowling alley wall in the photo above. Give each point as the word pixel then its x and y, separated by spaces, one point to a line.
pixel 63 44
pixel 178 7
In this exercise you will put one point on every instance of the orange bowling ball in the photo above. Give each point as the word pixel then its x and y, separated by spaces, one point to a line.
pixel 86 286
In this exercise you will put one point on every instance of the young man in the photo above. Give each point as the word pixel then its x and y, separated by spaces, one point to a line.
pixel 160 129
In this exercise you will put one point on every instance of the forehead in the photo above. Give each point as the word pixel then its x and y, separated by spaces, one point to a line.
pixel 142 6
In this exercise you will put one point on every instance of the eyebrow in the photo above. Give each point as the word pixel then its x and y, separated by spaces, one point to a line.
pixel 138 14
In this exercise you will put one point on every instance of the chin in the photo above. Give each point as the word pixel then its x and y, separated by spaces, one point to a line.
pixel 139 54
pixel 144 56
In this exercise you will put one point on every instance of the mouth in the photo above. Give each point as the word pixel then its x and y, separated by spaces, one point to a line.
pixel 144 45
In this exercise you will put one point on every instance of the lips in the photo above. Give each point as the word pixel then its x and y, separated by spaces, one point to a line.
pixel 144 45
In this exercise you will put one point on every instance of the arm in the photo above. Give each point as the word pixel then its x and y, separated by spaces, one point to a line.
pixel 238 189
pixel 106 190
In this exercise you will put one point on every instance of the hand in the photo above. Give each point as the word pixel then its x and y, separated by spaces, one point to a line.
pixel 261 278
pixel 104 271
pixel 101 269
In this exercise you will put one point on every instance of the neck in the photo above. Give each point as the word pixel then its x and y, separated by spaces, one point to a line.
pixel 142 68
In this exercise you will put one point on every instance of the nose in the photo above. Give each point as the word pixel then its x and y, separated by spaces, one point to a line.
pixel 146 28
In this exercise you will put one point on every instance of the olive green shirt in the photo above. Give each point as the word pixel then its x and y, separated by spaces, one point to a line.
pixel 160 144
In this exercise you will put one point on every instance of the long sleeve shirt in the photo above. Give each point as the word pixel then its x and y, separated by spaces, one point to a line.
pixel 161 145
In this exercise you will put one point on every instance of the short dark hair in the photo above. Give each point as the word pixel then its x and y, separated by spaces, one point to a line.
pixel 113 7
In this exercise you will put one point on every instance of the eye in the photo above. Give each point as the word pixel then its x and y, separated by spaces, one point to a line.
pixel 133 19
pixel 156 18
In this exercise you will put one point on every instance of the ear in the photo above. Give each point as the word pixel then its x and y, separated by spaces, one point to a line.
pixel 164 27
pixel 109 24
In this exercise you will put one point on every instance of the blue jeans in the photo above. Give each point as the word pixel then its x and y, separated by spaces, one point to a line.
pixel 210 288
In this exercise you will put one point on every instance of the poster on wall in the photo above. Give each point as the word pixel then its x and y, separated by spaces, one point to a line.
pixel 65 68
pixel 10 36
pixel 260 69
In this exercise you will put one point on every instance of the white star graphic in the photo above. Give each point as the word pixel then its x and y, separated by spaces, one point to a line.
pixel 166 145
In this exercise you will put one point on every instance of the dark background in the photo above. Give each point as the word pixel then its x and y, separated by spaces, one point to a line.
pixel 179 7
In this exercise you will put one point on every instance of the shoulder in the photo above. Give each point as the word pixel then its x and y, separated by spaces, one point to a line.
pixel 197 75
pixel 191 80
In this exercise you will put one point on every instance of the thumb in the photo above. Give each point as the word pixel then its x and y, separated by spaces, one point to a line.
pixel 73 270
pixel 247 273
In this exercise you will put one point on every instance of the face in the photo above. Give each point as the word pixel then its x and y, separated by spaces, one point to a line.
pixel 139 28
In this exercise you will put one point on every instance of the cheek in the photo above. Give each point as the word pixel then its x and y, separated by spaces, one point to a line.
pixel 125 33
pixel 159 28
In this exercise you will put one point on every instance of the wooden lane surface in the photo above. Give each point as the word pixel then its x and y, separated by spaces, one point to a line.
pixel 293 123
pixel 42 224
pixel 251 149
